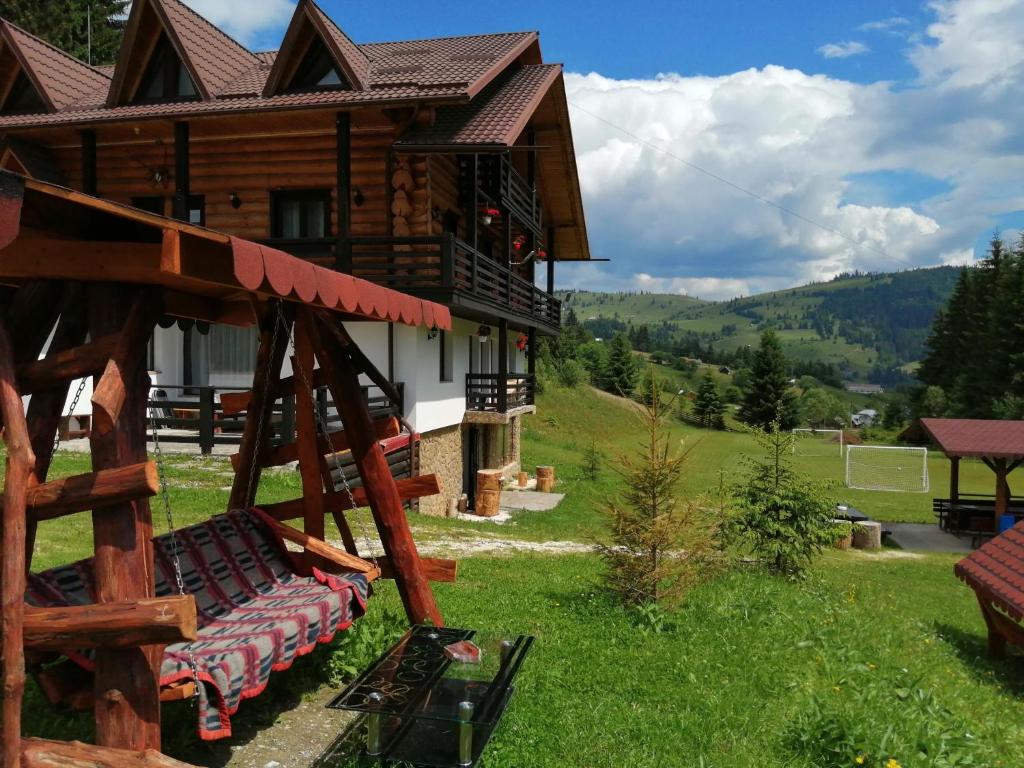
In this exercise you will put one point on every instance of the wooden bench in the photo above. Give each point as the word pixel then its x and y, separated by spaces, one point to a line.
pixel 995 571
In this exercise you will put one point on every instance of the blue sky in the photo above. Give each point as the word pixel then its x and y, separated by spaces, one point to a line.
pixel 892 128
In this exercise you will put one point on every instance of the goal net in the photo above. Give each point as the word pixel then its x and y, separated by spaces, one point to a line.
pixel 818 442
pixel 887 468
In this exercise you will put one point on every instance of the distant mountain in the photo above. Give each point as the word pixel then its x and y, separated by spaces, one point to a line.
pixel 869 326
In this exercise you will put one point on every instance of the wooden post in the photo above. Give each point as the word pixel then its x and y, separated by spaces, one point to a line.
pixel 306 438
pixel 382 494
pixel 502 365
pixel 473 214
pixel 531 351
pixel 954 479
pixel 206 420
pixel 551 262
pixel 182 181
pixel 127 694
pixel 89 161
pixel 1002 490
pixel 273 345
pixel 343 247
pixel 20 464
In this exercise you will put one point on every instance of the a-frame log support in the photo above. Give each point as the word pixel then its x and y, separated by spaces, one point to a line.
pixel 127 696
pixel 342 374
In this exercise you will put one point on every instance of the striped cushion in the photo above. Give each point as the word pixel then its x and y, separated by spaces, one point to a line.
pixel 256 615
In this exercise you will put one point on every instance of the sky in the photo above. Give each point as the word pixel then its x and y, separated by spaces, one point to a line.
pixel 728 148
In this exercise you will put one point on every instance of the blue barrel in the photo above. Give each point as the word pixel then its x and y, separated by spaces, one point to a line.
pixel 1006 522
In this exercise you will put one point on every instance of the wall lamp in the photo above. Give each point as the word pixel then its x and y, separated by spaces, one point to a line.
pixel 358 197
pixel 432 333
pixel 235 200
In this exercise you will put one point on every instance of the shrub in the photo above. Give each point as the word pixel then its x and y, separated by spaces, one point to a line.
pixel 782 516
pixel 661 545
pixel 570 373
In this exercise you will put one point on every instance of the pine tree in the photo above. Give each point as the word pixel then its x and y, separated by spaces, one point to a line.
pixel 768 398
pixel 621 371
pixel 647 392
pixel 65 24
pixel 708 405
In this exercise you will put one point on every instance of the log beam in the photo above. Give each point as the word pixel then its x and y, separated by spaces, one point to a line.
pixel 92 490
pixel 435 569
pixel 307 441
pixel 153 621
pixel 43 753
pixel 408 489
pixel 109 396
pixel 319 547
pixel 61 367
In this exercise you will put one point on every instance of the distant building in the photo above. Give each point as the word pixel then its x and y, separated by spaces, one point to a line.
pixel 864 418
pixel 863 389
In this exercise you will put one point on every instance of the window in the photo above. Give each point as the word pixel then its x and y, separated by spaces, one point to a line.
pixel 22 98
pixel 317 70
pixel 197 210
pixel 300 214
pixel 447 366
pixel 165 77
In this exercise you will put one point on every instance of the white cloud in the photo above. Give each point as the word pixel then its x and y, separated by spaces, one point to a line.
pixel 249 21
pixel 843 50
pixel 800 141
pixel 884 25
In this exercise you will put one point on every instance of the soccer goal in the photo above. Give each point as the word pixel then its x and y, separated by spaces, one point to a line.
pixel 887 468
pixel 817 442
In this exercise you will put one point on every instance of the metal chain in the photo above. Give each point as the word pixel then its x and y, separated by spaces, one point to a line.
pixel 70 414
pixel 322 428
pixel 172 531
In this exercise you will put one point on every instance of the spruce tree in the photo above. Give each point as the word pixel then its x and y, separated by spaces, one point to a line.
pixel 708 407
pixel 768 398
pixel 65 24
pixel 621 371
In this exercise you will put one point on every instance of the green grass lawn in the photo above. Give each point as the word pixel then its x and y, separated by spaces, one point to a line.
pixel 881 656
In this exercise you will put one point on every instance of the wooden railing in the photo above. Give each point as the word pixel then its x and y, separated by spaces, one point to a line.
pixel 500 181
pixel 190 414
pixel 498 393
pixel 427 265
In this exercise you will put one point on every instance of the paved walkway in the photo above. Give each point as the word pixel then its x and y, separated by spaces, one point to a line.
pixel 922 537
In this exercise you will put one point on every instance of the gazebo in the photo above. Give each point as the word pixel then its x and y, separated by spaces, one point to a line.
pixel 999 445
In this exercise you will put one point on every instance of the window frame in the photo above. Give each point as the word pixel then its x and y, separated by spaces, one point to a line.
pixel 446 357
pixel 163 55
pixel 316 48
pixel 279 196
pixel 21 86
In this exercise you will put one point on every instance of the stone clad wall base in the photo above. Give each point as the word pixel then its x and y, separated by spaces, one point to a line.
pixel 441 454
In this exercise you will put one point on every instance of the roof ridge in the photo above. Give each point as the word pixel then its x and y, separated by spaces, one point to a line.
pixel 60 51
pixel 450 37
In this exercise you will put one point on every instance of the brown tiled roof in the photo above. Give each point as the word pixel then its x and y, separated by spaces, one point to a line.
pixel 357 63
pixel 217 58
pixel 996 571
pixel 63 79
pixel 978 438
pixel 496 116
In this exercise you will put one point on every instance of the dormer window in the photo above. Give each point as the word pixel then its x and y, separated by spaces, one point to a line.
pixel 165 78
pixel 317 70
pixel 22 98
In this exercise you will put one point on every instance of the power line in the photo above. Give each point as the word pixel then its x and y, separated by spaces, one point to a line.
pixel 734 185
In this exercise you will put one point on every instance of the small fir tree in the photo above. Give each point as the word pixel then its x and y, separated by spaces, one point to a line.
pixel 781 516
pixel 647 392
pixel 621 369
pixel 661 544
pixel 768 398
pixel 708 406
pixel 592 461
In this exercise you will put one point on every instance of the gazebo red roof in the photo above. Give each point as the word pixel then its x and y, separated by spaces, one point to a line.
pixel 975 438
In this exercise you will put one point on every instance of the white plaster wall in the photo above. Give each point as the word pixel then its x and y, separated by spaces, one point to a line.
pixel 430 403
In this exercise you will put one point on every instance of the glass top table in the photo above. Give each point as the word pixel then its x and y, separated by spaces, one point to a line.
pixel 425 708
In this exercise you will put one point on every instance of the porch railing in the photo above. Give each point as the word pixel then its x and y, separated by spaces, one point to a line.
pixel 498 393
pixel 445 263
pixel 191 414
pixel 500 181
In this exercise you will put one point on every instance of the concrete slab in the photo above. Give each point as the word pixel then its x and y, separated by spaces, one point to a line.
pixel 531 501
pixel 923 537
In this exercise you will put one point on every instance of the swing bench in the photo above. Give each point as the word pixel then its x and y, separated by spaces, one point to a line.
pixel 212 609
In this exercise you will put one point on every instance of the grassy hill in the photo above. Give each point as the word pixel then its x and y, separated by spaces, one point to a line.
pixel 854 322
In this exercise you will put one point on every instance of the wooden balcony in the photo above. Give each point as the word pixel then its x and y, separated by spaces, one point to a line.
pixel 447 270
pixel 499 393
pixel 501 182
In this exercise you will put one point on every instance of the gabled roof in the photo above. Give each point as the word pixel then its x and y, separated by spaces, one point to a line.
pixel 976 438
pixel 60 80
pixel 35 161
pixel 309 22
pixel 211 58
pixel 497 116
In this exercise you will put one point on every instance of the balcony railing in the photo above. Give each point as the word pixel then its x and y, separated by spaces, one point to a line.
pixel 500 181
pixel 499 393
pixel 432 265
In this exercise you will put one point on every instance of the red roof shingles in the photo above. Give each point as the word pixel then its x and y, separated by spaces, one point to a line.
pixel 977 438
pixel 64 79
pixel 996 569
pixel 496 116
pixel 356 62
pixel 450 68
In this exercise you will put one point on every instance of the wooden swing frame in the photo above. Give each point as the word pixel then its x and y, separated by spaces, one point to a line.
pixel 99 276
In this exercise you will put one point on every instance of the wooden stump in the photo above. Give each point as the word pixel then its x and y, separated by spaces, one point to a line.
pixel 545 479
pixel 867 535
pixel 523 479
pixel 488 492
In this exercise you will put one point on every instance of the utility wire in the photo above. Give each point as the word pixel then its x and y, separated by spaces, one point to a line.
pixel 734 185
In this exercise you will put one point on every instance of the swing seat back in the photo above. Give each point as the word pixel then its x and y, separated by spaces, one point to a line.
pixel 258 609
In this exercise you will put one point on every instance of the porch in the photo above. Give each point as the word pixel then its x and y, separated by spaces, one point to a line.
pixel 497 393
